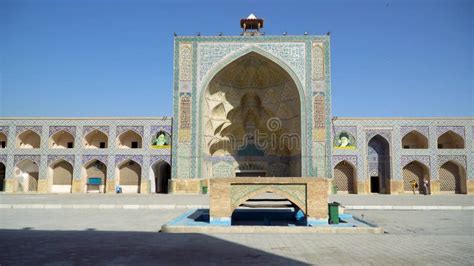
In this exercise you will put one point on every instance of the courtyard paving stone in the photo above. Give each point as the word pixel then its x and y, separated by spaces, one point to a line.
pixel 88 236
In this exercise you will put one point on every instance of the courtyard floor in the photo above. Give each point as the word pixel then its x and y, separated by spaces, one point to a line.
pixel 191 201
pixel 131 236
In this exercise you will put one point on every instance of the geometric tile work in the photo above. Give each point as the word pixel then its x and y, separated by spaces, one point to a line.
pixel 36 129
pixel 3 158
pixel 185 61
pixel 460 159
pixel 318 61
pixel 78 156
pixel 34 158
pixel 124 157
pixel 344 178
pixel 424 130
pixel 349 158
pixel 394 129
pixel 443 129
pixel 4 130
pixel 58 157
pixel 197 59
pixel 406 159
pixel 136 129
pixel 292 53
pixel 70 129
pixel 449 178
pixel 412 172
pixel 98 157
pixel 87 129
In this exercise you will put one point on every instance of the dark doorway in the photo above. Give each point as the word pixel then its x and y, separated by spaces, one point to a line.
pixel 2 176
pixel 162 172
pixel 378 160
pixel 374 184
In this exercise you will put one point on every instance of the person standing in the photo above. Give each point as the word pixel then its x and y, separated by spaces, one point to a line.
pixel 414 185
pixel 425 186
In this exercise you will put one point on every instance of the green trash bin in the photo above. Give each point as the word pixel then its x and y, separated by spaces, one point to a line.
pixel 204 190
pixel 333 212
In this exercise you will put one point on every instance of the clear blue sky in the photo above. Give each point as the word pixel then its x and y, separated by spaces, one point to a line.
pixel 114 58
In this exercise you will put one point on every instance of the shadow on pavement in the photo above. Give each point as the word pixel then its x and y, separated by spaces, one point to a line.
pixel 33 247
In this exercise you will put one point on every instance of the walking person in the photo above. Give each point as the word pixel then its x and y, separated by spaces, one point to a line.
pixel 414 185
pixel 425 186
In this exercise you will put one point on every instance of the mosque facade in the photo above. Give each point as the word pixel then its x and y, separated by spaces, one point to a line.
pixel 249 105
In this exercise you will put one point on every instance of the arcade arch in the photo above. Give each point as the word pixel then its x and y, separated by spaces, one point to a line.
pixel 96 139
pixel 252 113
pixel 3 141
pixel 27 174
pixel 345 177
pixel 414 140
pixel 129 140
pixel 61 140
pixel 129 176
pixel 28 140
pixel 415 171
pixel 61 173
pixel 452 178
pixel 161 173
pixel 450 140
pixel 378 160
pixel 95 169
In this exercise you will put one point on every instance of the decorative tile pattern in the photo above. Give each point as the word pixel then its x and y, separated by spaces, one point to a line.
pixel 89 157
pixel 222 169
pixel 370 133
pixel 136 129
pixel 319 116
pixel 424 130
pixel 156 158
pixel 349 158
pixel 318 61
pixel 34 158
pixel 400 157
pixel 4 130
pixel 185 86
pixel 443 129
pixel 344 178
pixel 185 61
pixel 37 129
pixel 185 112
pixel 460 159
pixel 45 155
pixel 211 53
pixel 55 158
pixel 156 129
pixel 124 157
pixel 3 159
pixel 292 53
pixel 406 159
pixel 87 129
pixel 70 129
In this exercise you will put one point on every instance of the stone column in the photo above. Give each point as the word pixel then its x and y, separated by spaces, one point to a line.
pixel 220 211
pixel 317 201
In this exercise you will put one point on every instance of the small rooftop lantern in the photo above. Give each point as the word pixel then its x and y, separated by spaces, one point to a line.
pixel 251 25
